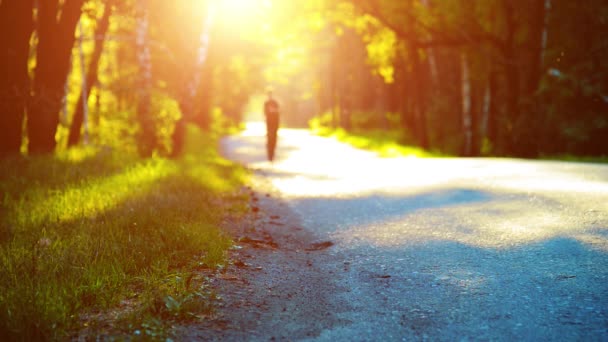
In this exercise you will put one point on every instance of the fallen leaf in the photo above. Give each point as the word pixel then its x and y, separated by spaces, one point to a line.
pixel 320 246
pixel 229 277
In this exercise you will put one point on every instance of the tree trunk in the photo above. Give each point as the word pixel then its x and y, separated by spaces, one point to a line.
pixel 432 59
pixel 537 42
pixel 512 106
pixel 524 137
pixel 403 96
pixel 344 69
pixel 492 109
pixel 187 103
pixel 333 85
pixel 56 39
pixel 467 119
pixel 476 108
pixel 486 130
pixel 147 134
pixel 545 33
pixel 419 103
pixel 16 26
pixel 91 79
pixel 178 138
pixel 512 80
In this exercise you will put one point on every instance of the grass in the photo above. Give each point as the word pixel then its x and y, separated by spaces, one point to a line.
pixel 580 159
pixel 386 144
pixel 90 231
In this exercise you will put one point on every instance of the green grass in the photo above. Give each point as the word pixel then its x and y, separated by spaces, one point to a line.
pixel 386 144
pixel 86 231
pixel 581 159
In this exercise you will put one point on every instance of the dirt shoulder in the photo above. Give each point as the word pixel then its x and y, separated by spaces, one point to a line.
pixel 275 287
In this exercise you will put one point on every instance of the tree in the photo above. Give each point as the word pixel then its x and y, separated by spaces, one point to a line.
pixel 56 33
pixel 91 77
pixel 16 27
pixel 147 138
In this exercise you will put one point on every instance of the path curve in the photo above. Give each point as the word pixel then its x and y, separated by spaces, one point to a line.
pixel 441 249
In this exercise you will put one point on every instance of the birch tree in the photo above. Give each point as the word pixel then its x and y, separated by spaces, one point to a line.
pixel 147 139
pixel 91 76
pixel 467 117
pixel 192 85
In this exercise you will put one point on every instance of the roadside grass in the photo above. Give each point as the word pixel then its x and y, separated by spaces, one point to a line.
pixel 385 143
pixel 580 159
pixel 90 231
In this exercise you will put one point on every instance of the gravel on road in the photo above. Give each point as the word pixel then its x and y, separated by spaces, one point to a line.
pixel 416 249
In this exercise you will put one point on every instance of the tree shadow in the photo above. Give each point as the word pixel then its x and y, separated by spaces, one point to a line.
pixel 378 208
pixel 252 149
pixel 20 173
pixel 548 290
pixel 439 277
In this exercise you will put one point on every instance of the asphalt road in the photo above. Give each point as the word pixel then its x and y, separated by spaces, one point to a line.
pixel 446 249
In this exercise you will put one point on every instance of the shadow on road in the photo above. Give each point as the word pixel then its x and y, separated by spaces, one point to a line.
pixel 252 150
pixel 551 290
pixel 481 249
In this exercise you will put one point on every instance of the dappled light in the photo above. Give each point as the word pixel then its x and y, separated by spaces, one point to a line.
pixel 422 77
pixel 93 198
pixel 498 203
pixel 358 150
pixel 495 224
pixel 483 247
pixel 91 227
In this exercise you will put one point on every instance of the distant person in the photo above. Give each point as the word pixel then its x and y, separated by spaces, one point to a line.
pixel 271 111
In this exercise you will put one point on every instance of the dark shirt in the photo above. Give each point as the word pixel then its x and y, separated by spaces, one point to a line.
pixel 271 107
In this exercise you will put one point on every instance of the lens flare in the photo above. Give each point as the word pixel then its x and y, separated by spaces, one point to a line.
pixel 241 12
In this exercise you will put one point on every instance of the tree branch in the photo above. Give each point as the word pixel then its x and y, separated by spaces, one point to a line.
pixel 438 39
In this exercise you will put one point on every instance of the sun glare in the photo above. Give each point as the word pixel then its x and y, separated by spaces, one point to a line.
pixel 240 5
pixel 241 12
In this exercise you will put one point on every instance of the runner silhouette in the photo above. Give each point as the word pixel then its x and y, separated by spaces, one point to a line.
pixel 271 111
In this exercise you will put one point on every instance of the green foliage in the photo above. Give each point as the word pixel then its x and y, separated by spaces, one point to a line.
pixel 381 51
pixel 578 159
pixel 87 229
pixel 546 68
pixel 388 144
pixel 167 112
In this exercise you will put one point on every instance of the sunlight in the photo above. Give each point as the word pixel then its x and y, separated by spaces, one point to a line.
pixel 244 5
pixel 494 223
pixel 488 203
pixel 241 13
pixel 93 198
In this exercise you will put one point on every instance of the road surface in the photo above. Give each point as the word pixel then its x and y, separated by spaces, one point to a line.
pixel 444 249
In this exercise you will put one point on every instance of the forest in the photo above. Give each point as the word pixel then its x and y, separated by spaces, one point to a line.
pixel 115 199
pixel 467 77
